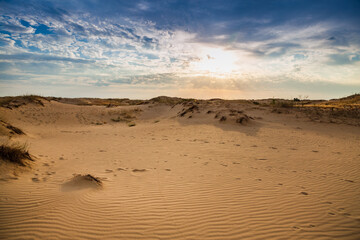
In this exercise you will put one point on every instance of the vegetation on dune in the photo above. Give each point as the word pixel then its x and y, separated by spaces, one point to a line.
pixel 13 129
pixel 15 102
pixel 15 153
pixel 191 109
pixel 109 102
pixel 352 99
pixel 172 100
pixel 125 116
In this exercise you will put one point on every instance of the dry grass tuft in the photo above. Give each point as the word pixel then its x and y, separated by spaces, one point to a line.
pixel 15 153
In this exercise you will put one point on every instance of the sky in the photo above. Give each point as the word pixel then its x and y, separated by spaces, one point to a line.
pixel 232 49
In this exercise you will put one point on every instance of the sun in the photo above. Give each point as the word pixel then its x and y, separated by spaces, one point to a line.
pixel 215 61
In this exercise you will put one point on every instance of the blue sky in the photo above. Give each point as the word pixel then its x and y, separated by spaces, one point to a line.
pixel 202 49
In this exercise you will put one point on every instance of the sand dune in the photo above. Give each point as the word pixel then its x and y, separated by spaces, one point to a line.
pixel 186 170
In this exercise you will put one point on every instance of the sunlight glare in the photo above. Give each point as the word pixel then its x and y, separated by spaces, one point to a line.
pixel 215 61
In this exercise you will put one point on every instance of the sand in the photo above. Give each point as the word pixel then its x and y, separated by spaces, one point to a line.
pixel 267 176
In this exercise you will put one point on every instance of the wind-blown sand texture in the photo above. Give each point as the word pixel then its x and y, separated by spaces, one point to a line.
pixel 187 170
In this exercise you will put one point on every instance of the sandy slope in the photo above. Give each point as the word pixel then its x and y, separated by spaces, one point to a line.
pixel 171 177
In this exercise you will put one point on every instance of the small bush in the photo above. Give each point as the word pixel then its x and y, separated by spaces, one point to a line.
pixel 15 153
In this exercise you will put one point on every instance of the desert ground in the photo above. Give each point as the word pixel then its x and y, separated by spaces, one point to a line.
pixel 171 168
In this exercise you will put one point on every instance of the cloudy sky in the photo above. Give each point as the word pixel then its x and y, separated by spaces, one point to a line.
pixel 204 49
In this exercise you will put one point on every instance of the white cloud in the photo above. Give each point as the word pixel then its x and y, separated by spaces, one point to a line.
pixel 140 53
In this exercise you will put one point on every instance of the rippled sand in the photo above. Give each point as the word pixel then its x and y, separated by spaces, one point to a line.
pixel 173 177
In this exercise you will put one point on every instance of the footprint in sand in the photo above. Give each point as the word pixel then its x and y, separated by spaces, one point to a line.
pixel 341 210
pixel 35 179
pixel 139 170
pixel 304 193
pixel 108 170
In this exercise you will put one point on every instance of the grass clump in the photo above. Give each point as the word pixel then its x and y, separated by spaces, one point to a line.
pixel 15 153
pixel 132 124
